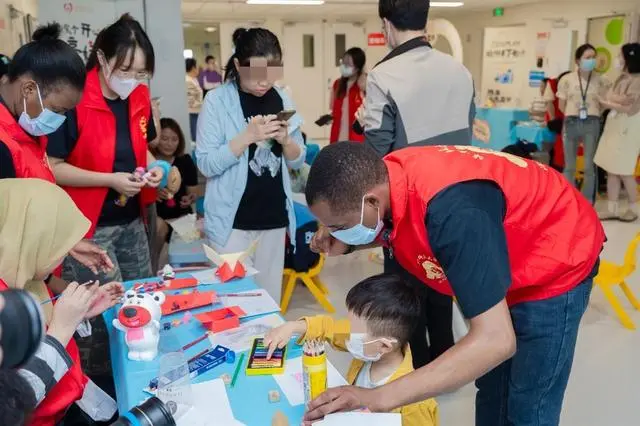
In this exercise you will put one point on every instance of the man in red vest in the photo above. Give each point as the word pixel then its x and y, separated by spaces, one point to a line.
pixel 515 243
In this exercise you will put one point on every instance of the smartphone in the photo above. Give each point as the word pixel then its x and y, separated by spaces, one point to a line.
pixel 285 115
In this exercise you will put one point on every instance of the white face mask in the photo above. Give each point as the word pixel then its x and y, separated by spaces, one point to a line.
pixel 356 343
pixel 346 71
pixel 122 86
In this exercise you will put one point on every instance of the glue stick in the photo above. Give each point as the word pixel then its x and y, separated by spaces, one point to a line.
pixel 314 369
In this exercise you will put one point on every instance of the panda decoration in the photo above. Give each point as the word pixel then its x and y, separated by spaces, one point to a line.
pixel 139 319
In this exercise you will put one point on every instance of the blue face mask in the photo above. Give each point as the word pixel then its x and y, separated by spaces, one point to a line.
pixel 588 64
pixel 359 235
pixel 45 123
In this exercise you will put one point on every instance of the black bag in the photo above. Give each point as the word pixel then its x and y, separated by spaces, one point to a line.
pixel 555 125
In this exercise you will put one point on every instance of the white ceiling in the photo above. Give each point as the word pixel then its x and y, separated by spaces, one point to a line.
pixel 216 10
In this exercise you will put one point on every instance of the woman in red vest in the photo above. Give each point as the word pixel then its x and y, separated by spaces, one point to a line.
pixel 44 80
pixel 465 221
pixel 94 155
pixel 347 96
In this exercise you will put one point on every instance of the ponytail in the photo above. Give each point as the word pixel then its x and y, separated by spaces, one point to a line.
pixel 254 42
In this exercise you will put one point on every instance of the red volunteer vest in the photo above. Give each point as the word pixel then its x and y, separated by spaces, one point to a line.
pixel 553 234
pixel 96 146
pixel 29 153
pixel 67 391
pixel 355 100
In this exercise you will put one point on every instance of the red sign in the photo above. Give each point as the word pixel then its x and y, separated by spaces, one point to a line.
pixel 376 39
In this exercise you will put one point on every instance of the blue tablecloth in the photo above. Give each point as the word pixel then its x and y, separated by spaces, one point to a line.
pixel 500 122
pixel 248 398
pixel 533 133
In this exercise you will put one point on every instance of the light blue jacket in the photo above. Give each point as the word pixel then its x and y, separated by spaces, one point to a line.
pixel 221 119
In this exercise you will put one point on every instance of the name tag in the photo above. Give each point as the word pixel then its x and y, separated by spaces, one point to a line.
pixel 584 113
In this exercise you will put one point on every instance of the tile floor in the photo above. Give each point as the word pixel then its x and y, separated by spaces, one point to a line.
pixel 604 388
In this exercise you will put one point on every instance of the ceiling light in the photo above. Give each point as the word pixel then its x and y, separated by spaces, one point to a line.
pixel 210 29
pixel 446 4
pixel 187 53
pixel 287 2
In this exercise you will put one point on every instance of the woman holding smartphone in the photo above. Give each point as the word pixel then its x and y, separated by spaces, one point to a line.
pixel 244 149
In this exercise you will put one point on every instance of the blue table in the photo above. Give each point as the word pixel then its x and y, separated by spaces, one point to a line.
pixel 248 398
pixel 500 122
pixel 533 133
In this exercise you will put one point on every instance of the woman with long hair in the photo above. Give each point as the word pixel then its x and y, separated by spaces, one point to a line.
pixel 244 149
pixel 619 146
pixel 347 95
pixel 94 156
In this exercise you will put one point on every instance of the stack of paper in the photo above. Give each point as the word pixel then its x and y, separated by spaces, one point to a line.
pixel 291 381
pixel 252 302
pixel 361 419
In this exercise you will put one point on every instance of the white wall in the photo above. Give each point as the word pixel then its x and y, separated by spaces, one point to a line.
pixel 538 17
pixel 11 28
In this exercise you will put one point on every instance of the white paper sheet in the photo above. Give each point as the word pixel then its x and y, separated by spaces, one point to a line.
pixel 291 381
pixel 252 305
pixel 361 419
pixel 208 276
pixel 241 338
pixel 185 226
pixel 211 406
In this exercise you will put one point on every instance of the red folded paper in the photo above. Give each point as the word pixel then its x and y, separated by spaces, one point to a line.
pixel 221 319
pixel 181 302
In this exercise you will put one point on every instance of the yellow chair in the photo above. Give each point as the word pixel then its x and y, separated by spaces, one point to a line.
pixel 612 274
pixel 311 279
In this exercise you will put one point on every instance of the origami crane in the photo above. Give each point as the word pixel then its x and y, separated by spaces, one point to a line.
pixel 230 265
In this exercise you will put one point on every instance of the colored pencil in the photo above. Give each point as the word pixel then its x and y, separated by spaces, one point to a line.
pixel 235 373
pixel 44 302
pixel 241 295
pixel 195 342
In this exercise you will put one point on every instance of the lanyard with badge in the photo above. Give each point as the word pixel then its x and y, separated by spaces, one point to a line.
pixel 584 109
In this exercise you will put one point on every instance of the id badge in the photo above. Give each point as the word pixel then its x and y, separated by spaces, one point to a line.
pixel 583 113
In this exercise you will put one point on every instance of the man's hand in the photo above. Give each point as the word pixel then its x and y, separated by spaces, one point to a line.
pixel 344 398
pixel 92 256
pixel 324 243
pixel 154 177
pixel 108 296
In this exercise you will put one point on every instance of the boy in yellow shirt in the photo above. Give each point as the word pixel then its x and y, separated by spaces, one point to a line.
pixel 382 312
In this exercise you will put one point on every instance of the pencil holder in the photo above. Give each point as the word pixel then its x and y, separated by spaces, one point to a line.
pixel 314 369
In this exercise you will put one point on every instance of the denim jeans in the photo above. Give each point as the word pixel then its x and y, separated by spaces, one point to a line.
pixel 528 389
pixel 193 125
pixel 587 131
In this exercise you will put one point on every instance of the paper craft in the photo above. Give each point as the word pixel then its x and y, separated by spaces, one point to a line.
pixel 185 226
pixel 221 319
pixel 361 419
pixel 253 302
pixel 241 339
pixel 291 381
pixel 209 276
pixel 181 302
pixel 211 406
pixel 230 265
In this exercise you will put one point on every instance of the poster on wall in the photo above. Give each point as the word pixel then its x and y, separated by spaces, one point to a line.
pixel 82 20
pixel 505 66
pixel 607 35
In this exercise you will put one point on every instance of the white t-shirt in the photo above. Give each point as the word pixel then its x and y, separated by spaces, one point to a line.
pixel 364 378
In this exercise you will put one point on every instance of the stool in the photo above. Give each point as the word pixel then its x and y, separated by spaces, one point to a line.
pixel 611 274
pixel 311 279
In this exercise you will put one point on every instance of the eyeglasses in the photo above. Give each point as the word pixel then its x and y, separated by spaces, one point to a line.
pixel 138 75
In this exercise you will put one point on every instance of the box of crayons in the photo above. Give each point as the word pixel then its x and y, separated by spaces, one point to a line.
pixel 259 364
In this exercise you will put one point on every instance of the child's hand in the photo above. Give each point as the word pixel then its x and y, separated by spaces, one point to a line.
pixel 108 296
pixel 70 310
pixel 280 336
